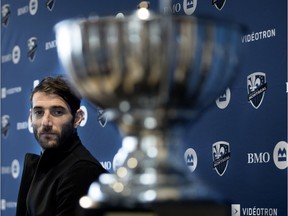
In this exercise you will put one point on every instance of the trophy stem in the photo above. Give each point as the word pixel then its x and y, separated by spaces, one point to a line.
pixel 151 168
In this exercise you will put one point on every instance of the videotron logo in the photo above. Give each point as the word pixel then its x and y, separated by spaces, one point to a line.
pixel 235 210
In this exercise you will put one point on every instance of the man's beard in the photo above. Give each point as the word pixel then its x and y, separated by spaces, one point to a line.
pixel 58 139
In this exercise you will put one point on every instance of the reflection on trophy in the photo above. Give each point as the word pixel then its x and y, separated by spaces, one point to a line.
pixel 152 74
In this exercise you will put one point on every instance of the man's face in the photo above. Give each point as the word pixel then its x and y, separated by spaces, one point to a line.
pixel 51 119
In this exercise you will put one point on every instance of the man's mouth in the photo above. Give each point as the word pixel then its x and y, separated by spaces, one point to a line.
pixel 47 135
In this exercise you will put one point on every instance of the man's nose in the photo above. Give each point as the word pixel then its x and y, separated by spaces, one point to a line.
pixel 46 120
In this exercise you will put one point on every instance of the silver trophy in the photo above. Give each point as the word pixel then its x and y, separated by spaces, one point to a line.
pixel 152 74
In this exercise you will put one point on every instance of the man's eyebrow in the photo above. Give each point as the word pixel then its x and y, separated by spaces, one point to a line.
pixel 58 107
pixel 53 107
pixel 37 107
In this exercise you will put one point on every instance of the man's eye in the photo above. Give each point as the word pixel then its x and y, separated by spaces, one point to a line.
pixel 38 112
pixel 57 112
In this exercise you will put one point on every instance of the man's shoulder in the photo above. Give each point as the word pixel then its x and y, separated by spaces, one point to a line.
pixel 84 164
pixel 82 153
pixel 83 156
pixel 31 158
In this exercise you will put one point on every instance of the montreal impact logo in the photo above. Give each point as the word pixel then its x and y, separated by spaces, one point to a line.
pixel 50 4
pixel 32 48
pixel 219 4
pixel 256 87
pixel 102 118
pixel 5 121
pixel 221 156
pixel 6 12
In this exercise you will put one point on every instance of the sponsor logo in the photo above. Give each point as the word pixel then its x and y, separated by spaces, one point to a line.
pixel 236 210
pixel 191 159
pixel 219 4
pixel 22 125
pixel 13 169
pixel 280 155
pixel 255 36
pixel 23 10
pixel 256 87
pixel 189 6
pixel 16 54
pixel 221 156
pixel 33 7
pixel 5 13
pixel 6 58
pixel 7 204
pixel 5 92
pixel 102 117
pixel 50 4
pixel 5 122
pixel 50 45
pixel 3 204
pixel 106 164
pixel 32 48
pixel 223 101
pixel 258 158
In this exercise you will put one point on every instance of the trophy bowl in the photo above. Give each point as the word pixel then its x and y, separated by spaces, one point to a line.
pixel 152 74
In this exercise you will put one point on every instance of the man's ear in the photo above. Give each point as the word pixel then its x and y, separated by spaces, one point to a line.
pixel 79 116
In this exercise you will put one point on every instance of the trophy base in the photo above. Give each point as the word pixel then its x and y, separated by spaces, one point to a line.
pixel 159 188
pixel 169 208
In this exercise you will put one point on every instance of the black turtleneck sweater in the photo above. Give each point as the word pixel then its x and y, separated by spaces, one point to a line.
pixel 53 183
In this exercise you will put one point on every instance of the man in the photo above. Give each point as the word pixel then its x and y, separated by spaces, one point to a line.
pixel 53 182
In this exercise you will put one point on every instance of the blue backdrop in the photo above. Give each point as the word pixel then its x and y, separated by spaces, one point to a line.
pixel 249 118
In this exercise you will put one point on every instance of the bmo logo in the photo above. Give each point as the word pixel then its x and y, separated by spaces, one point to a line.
pixel 258 158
